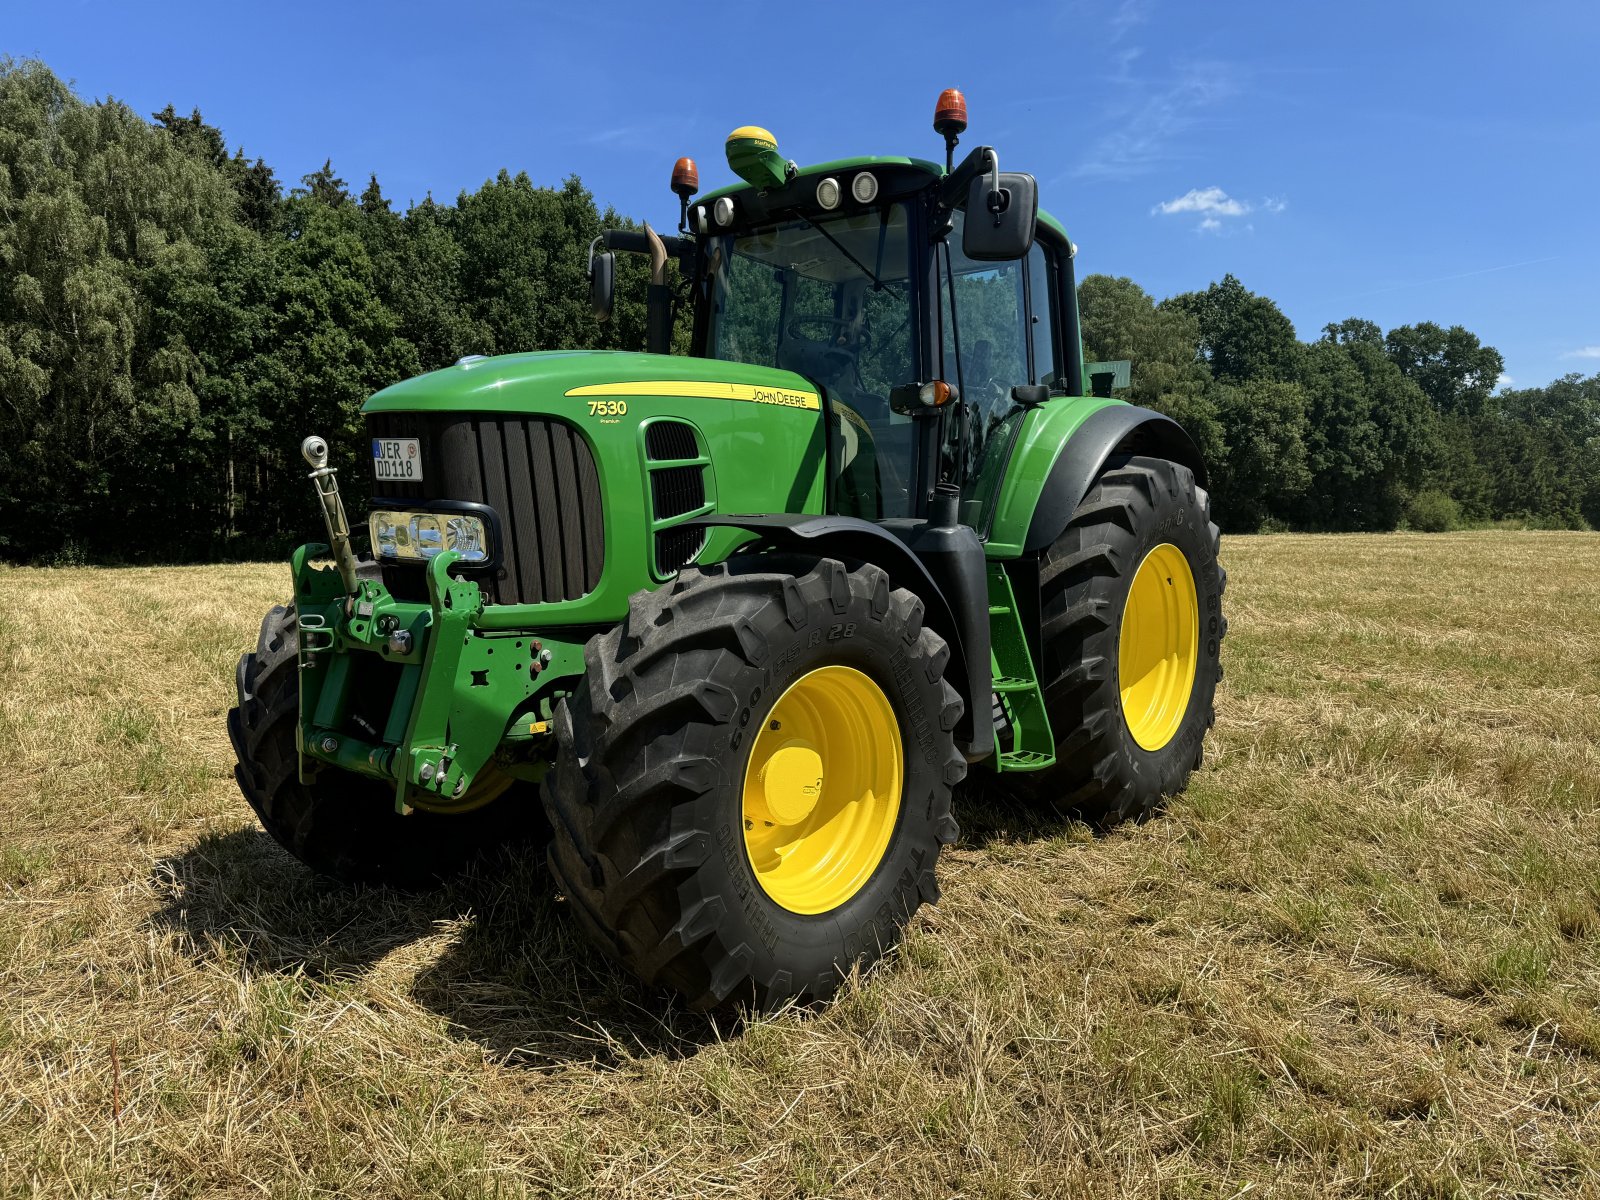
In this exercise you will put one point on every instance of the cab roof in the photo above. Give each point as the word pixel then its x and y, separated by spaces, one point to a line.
pixel 933 169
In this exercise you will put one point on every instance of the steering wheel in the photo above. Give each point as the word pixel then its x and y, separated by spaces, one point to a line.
pixel 797 326
pixel 838 357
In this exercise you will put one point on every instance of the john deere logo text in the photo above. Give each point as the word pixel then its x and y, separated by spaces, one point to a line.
pixel 787 399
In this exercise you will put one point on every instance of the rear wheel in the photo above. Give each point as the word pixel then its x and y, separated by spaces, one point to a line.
pixel 1131 615
pixel 344 825
pixel 754 779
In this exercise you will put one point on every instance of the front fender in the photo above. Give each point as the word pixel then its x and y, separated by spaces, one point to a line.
pixel 966 632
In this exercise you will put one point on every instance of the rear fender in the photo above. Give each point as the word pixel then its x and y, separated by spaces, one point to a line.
pixel 1117 429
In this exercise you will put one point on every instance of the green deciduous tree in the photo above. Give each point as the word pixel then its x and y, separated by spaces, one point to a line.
pixel 1162 342
pixel 1267 470
pixel 1369 436
pixel 1453 368
pixel 1242 335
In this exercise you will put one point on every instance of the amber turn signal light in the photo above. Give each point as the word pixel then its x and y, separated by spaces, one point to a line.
pixel 937 394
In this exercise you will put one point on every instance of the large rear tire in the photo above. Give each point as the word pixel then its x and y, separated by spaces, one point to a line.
pixel 1132 624
pixel 342 825
pixel 754 779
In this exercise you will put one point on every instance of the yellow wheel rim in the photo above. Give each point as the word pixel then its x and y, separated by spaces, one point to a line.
pixel 822 789
pixel 1156 651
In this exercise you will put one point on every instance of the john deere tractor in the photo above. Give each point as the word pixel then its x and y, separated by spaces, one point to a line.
pixel 725 629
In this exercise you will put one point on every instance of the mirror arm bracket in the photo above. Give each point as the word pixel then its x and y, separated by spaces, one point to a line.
pixel 953 188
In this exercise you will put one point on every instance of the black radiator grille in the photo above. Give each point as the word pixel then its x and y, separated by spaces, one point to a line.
pixel 537 474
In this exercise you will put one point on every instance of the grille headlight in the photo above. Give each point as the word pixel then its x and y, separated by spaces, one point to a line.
pixel 418 536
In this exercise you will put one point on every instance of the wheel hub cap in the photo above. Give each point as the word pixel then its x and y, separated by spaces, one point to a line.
pixel 791 782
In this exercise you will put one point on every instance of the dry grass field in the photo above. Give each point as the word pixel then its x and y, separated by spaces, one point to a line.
pixel 1358 958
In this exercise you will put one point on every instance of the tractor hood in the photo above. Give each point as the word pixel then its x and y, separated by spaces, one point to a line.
pixel 555 380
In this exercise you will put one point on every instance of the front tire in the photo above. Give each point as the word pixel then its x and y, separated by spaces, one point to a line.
pixel 343 825
pixel 754 779
pixel 1131 628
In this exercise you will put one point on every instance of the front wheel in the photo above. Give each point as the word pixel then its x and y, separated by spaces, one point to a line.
pixel 754 779
pixel 342 825
pixel 1131 629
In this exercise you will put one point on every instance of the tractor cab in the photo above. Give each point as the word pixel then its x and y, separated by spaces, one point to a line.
pixel 931 306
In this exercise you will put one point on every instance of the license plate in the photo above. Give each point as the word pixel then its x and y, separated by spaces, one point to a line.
pixel 397 460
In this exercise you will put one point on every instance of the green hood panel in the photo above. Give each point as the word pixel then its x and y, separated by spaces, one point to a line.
pixel 541 381
pixel 759 433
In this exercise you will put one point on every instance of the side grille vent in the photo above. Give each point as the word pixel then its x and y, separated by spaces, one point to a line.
pixel 540 478
pixel 677 490
pixel 667 440
pixel 677 548
pixel 677 493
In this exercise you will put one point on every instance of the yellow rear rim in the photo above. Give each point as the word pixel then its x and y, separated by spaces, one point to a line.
pixel 1156 651
pixel 822 790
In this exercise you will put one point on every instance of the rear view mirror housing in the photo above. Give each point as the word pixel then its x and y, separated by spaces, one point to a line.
pixel 1002 215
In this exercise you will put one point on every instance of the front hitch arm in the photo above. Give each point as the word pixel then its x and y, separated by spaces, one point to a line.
pixel 325 482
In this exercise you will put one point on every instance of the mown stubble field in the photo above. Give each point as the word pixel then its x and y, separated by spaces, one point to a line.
pixel 1358 958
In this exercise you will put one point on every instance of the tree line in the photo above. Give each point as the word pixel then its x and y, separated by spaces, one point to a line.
pixel 1358 430
pixel 168 310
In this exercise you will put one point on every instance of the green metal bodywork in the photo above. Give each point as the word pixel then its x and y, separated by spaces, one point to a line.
pixel 471 698
pixel 1039 442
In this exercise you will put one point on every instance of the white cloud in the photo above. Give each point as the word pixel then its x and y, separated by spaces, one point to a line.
pixel 1146 126
pixel 1129 13
pixel 1583 352
pixel 1211 201
pixel 1274 204
pixel 1210 225
pixel 1504 381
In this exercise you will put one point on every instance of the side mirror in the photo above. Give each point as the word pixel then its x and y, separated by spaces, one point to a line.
pixel 1002 212
pixel 602 281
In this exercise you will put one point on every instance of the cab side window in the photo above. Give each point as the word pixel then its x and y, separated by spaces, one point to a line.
pixel 1042 315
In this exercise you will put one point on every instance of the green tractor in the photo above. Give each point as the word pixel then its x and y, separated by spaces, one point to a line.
pixel 726 629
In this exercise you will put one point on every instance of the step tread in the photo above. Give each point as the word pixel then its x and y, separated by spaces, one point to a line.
pixel 1025 760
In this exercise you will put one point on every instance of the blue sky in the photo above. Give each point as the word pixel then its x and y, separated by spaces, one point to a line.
pixel 1399 161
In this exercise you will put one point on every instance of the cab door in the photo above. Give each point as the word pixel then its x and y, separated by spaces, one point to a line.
pixel 999 329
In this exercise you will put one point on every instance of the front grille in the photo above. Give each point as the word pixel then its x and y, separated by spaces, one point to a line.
pixel 537 474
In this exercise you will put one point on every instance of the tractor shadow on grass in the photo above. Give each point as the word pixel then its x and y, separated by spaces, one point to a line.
pixel 989 814
pixel 515 977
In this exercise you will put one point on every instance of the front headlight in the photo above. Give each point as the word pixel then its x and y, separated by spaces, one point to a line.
pixel 418 536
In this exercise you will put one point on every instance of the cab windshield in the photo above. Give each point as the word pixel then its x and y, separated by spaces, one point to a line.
pixel 830 298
